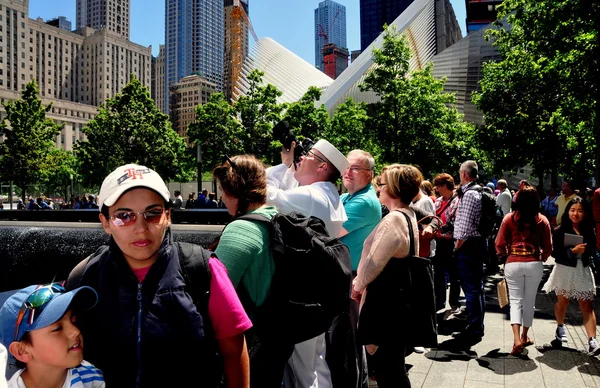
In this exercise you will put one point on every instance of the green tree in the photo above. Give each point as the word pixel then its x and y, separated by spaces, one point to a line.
pixel 217 130
pixel 415 119
pixel 29 138
pixel 540 100
pixel 258 111
pixel 130 129
pixel 305 119
pixel 61 169
pixel 349 129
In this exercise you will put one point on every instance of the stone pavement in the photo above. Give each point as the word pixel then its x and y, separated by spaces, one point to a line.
pixel 489 363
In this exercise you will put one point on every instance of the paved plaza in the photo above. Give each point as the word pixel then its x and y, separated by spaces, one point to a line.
pixel 489 363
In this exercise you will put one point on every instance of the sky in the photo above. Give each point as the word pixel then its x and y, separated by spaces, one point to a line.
pixel 291 25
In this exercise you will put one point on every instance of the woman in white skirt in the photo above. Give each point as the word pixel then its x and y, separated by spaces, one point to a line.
pixel 572 276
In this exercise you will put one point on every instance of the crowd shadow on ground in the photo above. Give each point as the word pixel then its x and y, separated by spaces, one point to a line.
pixel 554 355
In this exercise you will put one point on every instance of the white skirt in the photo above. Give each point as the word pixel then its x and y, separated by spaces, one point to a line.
pixel 572 282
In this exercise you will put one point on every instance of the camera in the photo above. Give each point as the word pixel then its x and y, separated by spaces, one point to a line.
pixel 283 133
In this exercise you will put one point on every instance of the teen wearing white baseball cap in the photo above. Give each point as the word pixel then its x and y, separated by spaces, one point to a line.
pixel 146 301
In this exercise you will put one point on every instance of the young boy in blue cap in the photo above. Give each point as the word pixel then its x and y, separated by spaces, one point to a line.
pixel 38 327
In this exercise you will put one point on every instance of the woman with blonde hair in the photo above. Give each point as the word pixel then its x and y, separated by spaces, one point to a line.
pixel 389 242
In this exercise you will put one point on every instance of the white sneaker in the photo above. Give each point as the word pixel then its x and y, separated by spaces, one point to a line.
pixel 594 348
pixel 561 334
pixel 419 349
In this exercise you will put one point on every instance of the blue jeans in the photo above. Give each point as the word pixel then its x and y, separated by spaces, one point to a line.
pixel 470 266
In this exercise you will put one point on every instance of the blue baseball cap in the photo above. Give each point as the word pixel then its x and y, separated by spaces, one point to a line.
pixel 82 298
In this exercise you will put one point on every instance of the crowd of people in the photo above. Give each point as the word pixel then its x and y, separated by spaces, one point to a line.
pixel 140 297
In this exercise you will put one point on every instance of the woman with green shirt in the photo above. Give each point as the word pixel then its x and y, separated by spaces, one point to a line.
pixel 245 250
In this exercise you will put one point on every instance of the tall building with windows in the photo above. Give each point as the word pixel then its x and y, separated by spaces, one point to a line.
pixel 374 14
pixel 76 71
pixel 98 14
pixel 194 42
pixel 480 13
pixel 330 28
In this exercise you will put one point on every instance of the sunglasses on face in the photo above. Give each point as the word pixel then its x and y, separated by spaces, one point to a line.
pixel 315 156
pixel 36 302
pixel 126 218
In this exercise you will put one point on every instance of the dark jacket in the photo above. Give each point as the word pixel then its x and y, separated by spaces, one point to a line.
pixel 562 254
pixel 172 349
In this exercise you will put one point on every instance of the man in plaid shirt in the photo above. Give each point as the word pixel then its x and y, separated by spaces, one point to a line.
pixel 470 251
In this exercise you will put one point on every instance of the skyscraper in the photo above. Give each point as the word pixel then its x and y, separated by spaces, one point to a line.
pixel 374 14
pixel 330 27
pixel 194 42
pixel 98 14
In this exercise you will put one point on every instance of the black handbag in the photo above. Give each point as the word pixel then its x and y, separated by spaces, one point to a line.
pixel 399 305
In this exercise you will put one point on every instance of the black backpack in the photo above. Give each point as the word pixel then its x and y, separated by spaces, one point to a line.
pixel 312 280
pixel 488 217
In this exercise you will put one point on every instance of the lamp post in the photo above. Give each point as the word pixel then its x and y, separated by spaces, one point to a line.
pixel 199 166
pixel 71 177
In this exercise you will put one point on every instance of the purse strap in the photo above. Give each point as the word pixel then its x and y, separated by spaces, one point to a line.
pixel 411 249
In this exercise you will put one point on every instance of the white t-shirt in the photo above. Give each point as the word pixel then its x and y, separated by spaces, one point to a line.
pixel 503 201
pixel 83 376
pixel 426 204
pixel 3 357
pixel 319 199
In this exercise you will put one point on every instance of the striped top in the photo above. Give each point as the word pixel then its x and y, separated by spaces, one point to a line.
pixel 85 375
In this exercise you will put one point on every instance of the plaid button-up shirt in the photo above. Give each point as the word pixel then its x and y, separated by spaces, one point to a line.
pixel 468 213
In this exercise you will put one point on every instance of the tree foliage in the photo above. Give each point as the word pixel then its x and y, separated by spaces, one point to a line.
pixel 217 131
pixel 130 129
pixel 349 130
pixel 305 119
pixel 29 138
pixel 415 119
pixel 540 100
pixel 258 112
pixel 60 170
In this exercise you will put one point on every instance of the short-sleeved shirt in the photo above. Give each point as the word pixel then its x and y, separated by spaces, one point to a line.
pixel 364 213
pixel 85 375
pixel 561 204
pixel 245 250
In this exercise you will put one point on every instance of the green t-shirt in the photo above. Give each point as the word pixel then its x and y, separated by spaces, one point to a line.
pixel 245 250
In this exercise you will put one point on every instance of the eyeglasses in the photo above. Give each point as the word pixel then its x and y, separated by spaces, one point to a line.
pixel 312 153
pixel 355 169
pixel 127 218
pixel 36 302
pixel 227 159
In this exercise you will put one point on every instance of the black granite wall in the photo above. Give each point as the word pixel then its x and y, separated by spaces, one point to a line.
pixel 39 255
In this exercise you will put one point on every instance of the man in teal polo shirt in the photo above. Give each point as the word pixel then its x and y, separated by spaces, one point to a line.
pixel 361 203
pixel 364 213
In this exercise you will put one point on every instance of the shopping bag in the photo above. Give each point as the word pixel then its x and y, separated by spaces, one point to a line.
pixel 502 293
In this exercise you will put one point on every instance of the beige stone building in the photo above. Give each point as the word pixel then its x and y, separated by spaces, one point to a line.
pixel 100 14
pixel 76 71
pixel 184 96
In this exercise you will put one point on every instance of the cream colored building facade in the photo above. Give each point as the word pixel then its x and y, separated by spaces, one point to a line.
pixel 185 95
pixel 76 71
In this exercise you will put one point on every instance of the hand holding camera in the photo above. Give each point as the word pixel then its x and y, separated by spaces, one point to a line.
pixel 291 145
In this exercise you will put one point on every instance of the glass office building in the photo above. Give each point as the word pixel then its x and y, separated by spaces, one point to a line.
pixel 194 41
pixel 374 14
pixel 330 27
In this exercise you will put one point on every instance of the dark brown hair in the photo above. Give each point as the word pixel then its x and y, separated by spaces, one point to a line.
pixel 243 177
pixel 527 204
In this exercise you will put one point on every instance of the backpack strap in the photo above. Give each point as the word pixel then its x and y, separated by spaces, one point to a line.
pixel 255 217
pixel 196 273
